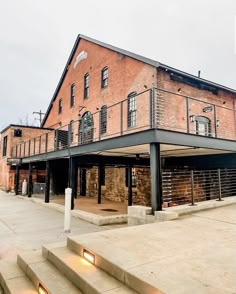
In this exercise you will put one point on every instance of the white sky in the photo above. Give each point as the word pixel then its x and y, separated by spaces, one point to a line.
pixel 36 38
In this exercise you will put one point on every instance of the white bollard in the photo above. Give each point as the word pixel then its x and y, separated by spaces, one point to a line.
pixel 24 187
pixel 67 217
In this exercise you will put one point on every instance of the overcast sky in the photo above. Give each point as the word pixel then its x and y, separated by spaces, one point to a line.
pixel 36 38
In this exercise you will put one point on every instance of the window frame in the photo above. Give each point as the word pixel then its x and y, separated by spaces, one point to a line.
pixel 202 121
pixel 72 95
pixel 60 106
pixel 86 86
pixel 86 128
pixel 103 120
pixel 132 110
pixel 4 146
pixel 71 130
pixel 104 77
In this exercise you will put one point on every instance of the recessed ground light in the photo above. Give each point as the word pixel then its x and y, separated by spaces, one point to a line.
pixel 42 290
pixel 89 256
pixel 109 209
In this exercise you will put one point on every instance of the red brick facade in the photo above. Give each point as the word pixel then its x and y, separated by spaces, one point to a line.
pixel 125 75
pixel 176 108
pixel 6 172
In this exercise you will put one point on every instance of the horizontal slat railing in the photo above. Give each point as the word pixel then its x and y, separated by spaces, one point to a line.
pixel 192 186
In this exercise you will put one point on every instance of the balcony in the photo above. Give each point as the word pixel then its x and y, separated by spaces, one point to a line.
pixel 151 109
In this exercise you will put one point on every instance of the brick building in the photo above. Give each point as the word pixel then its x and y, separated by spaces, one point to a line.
pixel 125 124
pixel 9 137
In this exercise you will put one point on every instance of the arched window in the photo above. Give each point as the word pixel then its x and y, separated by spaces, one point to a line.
pixel 132 111
pixel 86 127
pixel 72 95
pixel 103 120
pixel 203 126
pixel 71 131
pixel 104 80
pixel 86 86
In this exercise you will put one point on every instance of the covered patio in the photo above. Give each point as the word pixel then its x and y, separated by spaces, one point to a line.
pixel 89 204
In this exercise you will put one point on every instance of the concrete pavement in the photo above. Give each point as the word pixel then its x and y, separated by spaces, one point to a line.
pixel 194 254
pixel 25 225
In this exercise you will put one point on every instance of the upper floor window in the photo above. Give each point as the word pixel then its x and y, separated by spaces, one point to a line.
pixel 72 95
pixel 104 77
pixel 4 147
pixel 71 130
pixel 103 120
pixel 86 128
pixel 60 106
pixel 203 127
pixel 86 86
pixel 131 120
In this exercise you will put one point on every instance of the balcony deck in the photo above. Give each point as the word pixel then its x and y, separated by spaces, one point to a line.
pixel 156 115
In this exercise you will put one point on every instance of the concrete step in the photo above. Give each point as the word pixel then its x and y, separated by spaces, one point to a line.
pixel 40 270
pixel 111 263
pixel 86 276
pixel 13 280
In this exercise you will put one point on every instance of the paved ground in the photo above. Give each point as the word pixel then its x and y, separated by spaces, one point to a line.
pixel 195 254
pixel 25 225
pixel 89 204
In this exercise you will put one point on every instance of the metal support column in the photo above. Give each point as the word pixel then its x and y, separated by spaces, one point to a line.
pixel 99 184
pixel 47 187
pixel 215 121
pixel 46 143
pixel 156 184
pixel 121 118
pixel 17 178
pixel 192 188
pixel 30 182
pixel 152 108
pixel 72 177
pixel 187 114
pixel 219 184
pixel 130 200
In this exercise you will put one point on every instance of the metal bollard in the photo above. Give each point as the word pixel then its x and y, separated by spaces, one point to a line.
pixel 24 188
pixel 67 217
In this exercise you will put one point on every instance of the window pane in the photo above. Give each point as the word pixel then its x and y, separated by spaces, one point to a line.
pixel 103 120
pixel 104 77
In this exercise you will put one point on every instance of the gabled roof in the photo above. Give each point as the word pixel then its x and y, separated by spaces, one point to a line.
pixel 22 126
pixel 134 56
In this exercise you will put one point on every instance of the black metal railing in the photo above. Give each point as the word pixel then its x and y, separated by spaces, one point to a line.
pixel 192 186
pixel 152 108
pixel 181 113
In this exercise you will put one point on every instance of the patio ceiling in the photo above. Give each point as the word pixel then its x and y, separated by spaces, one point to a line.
pixel 166 151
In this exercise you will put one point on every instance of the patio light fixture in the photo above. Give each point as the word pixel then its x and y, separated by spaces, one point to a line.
pixel 90 257
pixel 42 290
pixel 192 118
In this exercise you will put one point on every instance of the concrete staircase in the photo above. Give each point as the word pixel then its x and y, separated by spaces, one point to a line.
pixel 61 269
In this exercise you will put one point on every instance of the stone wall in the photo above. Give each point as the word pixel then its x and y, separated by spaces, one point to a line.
pixel 115 185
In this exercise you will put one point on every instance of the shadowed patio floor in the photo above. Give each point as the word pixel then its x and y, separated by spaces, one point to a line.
pixel 90 204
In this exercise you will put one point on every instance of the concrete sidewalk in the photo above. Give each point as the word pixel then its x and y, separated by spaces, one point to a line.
pixel 195 254
pixel 25 225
